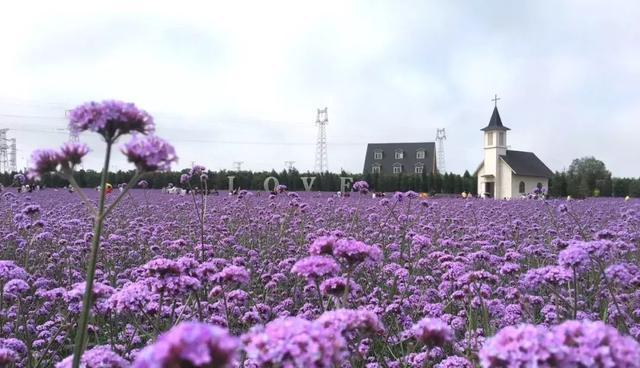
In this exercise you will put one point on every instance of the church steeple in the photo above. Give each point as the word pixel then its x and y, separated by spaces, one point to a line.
pixel 495 123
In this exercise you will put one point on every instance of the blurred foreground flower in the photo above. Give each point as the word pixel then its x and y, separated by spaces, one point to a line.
pixel 190 344
pixel 150 153
pixel 98 357
pixel 570 344
pixel 110 119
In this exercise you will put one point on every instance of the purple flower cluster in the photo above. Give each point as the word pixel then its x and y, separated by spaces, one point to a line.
pixel 294 342
pixel 354 251
pixel 350 320
pixel 234 275
pixel 150 153
pixel 336 286
pixel 361 186
pixel 97 357
pixel 72 153
pixel 19 179
pixel 190 344
pixel 313 279
pixel 431 332
pixel 50 160
pixel 545 276
pixel 314 267
pixel 570 344
pixel 196 171
pixel 110 118
pixel 323 245
pixel 574 256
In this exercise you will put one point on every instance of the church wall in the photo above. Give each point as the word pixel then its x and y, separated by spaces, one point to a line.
pixel 480 180
pixel 530 183
pixel 503 181
pixel 490 157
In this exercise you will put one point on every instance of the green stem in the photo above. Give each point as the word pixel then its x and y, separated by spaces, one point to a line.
pixel 131 183
pixel 204 209
pixel 345 297
pixel 81 333
pixel 27 336
pixel 1 303
pixel 575 294
pixel 319 296
pixel 83 197
pixel 613 295
pixel 47 350
pixel 226 309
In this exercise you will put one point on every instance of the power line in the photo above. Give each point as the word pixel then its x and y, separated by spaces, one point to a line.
pixel 188 140
pixel 166 115
pixel 175 118
pixel 54 130
pixel 24 116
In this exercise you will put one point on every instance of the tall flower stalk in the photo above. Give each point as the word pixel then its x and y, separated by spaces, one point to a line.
pixel 110 119
pixel 200 172
pixel 91 267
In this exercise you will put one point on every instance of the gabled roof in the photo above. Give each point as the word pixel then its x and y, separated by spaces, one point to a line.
pixel 409 161
pixel 526 164
pixel 495 123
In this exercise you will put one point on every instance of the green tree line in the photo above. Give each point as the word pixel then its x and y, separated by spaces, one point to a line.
pixel 587 177
pixel 430 183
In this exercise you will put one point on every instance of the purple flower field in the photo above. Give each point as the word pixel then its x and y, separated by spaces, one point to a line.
pixel 313 280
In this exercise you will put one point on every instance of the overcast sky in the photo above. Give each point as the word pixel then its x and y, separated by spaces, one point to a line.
pixel 242 81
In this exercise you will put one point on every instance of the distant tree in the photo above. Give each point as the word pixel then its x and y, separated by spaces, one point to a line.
pixel 558 185
pixel 634 188
pixel 586 175
pixel 468 183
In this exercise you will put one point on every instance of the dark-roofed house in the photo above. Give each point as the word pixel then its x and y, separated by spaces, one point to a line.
pixel 505 173
pixel 400 158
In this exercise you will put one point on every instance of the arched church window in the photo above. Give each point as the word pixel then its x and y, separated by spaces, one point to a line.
pixel 521 187
pixel 539 185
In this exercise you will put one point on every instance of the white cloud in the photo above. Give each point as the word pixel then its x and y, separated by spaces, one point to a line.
pixel 255 71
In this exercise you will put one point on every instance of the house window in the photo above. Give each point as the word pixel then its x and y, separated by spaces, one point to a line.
pixel 375 169
pixel 420 154
pixel 521 187
pixel 490 139
pixel 377 155
pixel 501 141
pixel 539 185
pixel 399 154
pixel 397 169
pixel 419 169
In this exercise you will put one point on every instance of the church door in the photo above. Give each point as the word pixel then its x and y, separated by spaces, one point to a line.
pixel 489 189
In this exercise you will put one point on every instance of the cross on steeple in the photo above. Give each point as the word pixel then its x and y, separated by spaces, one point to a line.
pixel 495 100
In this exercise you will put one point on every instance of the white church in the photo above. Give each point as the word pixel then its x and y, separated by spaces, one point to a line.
pixel 506 173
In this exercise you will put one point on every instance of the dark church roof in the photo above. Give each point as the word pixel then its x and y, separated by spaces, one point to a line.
pixel 526 164
pixel 495 123
pixel 408 163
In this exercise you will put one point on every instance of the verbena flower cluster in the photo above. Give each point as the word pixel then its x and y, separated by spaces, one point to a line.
pixel 570 344
pixel 150 153
pixel 110 119
pixel 317 280
pixel 50 160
